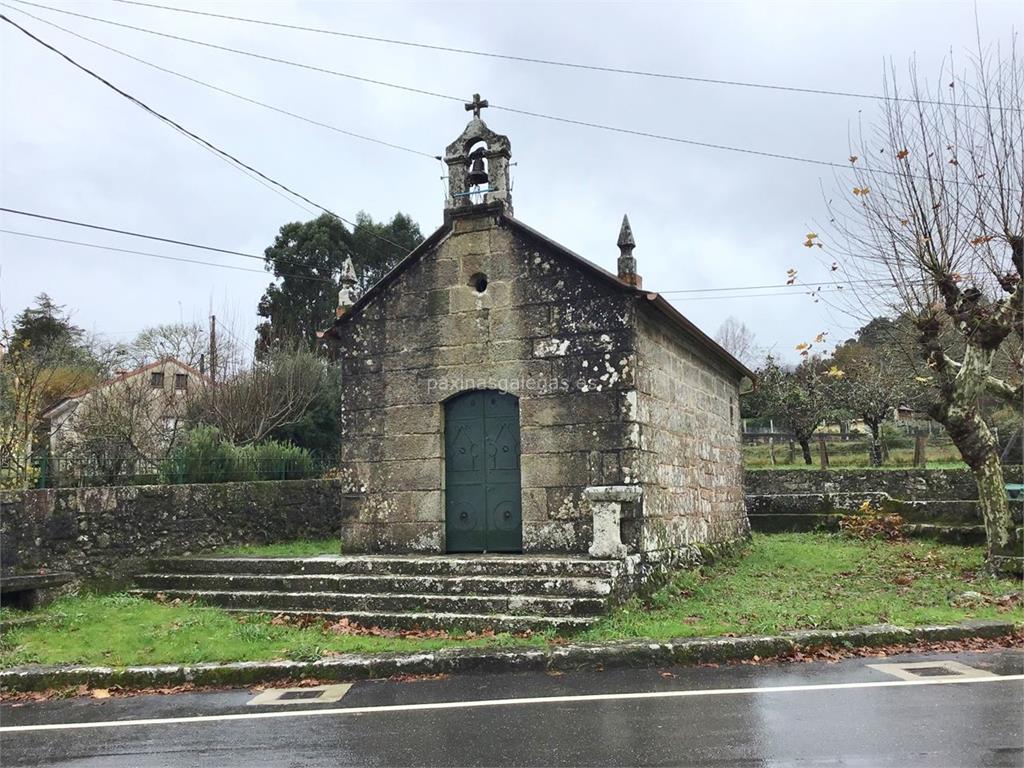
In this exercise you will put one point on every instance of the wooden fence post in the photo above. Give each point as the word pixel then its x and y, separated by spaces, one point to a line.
pixel 823 451
pixel 920 444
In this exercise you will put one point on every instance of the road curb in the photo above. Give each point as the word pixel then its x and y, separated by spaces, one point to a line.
pixel 632 653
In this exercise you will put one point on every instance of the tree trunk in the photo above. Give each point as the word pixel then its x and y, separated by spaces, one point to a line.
pixel 978 448
pixel 876 444
pixel 805 446
pixel 1002 548
pixel 823 451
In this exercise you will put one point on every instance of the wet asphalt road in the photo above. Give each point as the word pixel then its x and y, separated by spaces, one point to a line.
pixel 963 724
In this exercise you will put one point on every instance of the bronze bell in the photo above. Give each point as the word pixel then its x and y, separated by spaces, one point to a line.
pixel 477 174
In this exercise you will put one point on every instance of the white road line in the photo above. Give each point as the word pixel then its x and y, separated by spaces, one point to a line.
pixel 508 703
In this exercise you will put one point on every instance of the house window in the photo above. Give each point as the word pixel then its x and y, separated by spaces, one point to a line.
pixel 181 381
pixel 156 380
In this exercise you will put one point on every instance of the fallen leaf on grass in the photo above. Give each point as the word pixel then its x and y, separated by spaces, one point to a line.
pixel 100 693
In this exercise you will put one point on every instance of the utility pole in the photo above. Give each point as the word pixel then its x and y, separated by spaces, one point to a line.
pixel 213 355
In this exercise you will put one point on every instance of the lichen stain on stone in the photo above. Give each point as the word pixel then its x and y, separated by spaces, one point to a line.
pixel 553 347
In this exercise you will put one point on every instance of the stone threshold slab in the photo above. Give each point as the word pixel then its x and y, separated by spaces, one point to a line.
pixel 632 653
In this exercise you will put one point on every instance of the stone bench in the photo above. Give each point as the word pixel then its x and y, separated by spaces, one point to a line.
pixel 25 590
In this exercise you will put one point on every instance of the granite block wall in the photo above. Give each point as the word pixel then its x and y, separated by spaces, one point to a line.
pixel 108 531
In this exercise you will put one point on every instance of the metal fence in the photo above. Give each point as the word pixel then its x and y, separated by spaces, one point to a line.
pixel 63 472
pixel 850 451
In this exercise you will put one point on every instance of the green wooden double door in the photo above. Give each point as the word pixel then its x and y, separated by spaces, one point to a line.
pixel 483 503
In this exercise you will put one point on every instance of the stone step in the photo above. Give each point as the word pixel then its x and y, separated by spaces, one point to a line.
pixel 948 534
pixel 396 565
pixel 372 584
pixel 335 602
pixel 454 623
pixel 943 512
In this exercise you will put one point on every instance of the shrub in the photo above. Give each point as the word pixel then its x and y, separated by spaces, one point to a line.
pixel 280 461
pixel 203 456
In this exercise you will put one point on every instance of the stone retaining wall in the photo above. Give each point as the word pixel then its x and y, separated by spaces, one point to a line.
pixel 940 503
pixel 104 533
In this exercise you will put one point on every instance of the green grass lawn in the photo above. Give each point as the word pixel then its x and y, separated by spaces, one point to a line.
pixel 818 581
pixel 283 549
pixel 122 630
pixel 778 583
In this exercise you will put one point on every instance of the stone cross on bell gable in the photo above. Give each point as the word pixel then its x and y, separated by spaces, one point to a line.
pixel 476 105
pixel 489 152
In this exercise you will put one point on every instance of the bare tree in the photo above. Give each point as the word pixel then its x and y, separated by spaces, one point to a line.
pixel 871 384
pixel 800 398
pixel 120 426
pixel 738 340
pixel 274 392
pixel 935 223
pixel 31 379
pixel 187 342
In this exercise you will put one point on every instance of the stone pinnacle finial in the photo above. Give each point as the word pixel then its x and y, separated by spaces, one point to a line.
pixel 627 262
pixel 626 243
pixel 348 272
pixel 348 280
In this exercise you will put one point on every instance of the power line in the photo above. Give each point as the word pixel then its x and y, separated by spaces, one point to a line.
pixel 756 287
pixel 804 292
pixel 102 228
pixel 460 99
pixel 800 290
pixel 181 129
pixel 162 256
pixel 156 238
pixel 532 60
pixel 226 91
pixel 239 51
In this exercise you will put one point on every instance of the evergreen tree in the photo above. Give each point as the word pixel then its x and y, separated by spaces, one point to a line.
pixel 46 327
pixel 306 257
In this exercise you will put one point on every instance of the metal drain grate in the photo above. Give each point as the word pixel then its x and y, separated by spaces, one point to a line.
pixel 932 670
pixel 321 694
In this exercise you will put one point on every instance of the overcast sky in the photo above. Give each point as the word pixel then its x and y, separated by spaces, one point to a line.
pixel 702 218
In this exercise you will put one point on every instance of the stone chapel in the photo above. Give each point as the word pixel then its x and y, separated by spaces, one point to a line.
pixel 503 394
